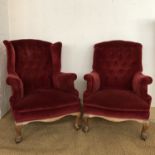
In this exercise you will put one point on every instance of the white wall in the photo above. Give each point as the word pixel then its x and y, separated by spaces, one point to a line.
pixel 4 34
pixel 81 23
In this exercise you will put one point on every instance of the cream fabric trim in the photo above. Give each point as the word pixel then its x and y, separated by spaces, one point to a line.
pixel 48 119
pixel 113 119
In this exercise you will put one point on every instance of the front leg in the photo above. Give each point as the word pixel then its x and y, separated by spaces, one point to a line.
pixel 145 127
pixel 85 124
pixel 18 137
pixel 77 124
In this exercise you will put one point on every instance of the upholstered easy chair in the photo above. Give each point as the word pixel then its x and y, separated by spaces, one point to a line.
pixel 116 88
pixel 40 91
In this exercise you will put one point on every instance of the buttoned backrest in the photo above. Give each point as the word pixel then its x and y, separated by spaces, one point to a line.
pixel 34 63
pixel 117 62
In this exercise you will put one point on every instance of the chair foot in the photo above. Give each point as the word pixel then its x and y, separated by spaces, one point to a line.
pixel 77 124
pixel 144 134
pixel 18 137
pixel 85 127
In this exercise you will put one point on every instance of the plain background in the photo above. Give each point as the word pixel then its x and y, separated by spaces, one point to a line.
pixel 4 34
pixel 79 24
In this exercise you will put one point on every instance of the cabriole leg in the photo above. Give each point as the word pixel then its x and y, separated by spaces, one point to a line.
pixel 18 137
pixel 77 123
pixel 145 127
pixel 85 124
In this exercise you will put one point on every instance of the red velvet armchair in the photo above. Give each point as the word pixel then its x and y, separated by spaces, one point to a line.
pixel 116 88
pixel 40 91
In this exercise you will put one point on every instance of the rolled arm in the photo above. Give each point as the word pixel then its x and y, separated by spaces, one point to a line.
pixel 140 84
pixel 93 82
pixel 17 87
pixel 65 81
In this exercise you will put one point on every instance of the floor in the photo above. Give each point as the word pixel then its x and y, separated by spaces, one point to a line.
pixel 60 138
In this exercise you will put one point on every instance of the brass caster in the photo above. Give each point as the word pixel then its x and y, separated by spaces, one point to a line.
pixel 144 136
pixel 18 139
pixel 77 127
pixel 85 129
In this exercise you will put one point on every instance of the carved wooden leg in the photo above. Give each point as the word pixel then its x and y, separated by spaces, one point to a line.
pixel 77 123
pixel 85 124
pixel 18 137
pixel 144 134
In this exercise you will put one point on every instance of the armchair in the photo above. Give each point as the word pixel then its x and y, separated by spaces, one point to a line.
pixel 116 88
pixel 40 91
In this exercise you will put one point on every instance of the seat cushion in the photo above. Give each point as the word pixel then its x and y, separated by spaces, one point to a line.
pixel 116 100
pixel 47 99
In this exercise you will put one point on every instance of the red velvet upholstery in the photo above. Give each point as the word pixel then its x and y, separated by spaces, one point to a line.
pixel 116 87
pixel 40 90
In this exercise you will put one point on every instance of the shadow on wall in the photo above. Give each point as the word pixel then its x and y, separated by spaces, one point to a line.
pixel 146 35
pixel 5 91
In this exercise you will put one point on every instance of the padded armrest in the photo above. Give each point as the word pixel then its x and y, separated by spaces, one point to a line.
pixel 93 82
pixel 139 85
pixel 17 86
pixel 65 81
